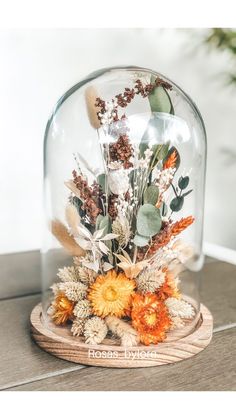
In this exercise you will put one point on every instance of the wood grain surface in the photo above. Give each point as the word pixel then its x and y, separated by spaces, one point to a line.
pixel 21 360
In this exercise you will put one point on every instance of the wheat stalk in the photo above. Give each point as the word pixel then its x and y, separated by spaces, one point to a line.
pixel 72 218
pixel 60 231
pixel 91 95
pixel 123 330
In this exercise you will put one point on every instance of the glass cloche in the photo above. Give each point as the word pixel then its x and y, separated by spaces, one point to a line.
pixel 124 168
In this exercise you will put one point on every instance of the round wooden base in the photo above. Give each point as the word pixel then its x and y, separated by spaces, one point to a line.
pixel 178 346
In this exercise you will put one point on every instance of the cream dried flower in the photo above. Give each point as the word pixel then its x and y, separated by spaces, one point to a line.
pixel 176 323
pixel 179 308
pixel 77 328
pixel 68 274
pixel 55 288
pixel 121 227
pixel 74 291
pixel 86 275
pixel 123 330
pixel 150 280
pixel 118 181
pixel 95 330
pixel 82 309
pixel 184 251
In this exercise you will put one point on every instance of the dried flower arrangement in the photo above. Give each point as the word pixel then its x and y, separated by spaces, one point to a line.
pixel 127 254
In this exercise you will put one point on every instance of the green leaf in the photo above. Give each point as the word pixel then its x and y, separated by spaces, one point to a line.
pixel 102 181
pixel 163 151
pixel 187 193
pixel 148 220
pixel 160 151
pixel 160 100
pixel 183 182
pixel 151 195
pixel 177 203
pixel 141 241
pixel 103 222
pixel 163 209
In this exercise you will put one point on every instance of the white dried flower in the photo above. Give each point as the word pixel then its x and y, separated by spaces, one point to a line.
pixel 176 323
pixel 82 309
pixel 74 291
pixel 77 328
pixel 179 308
pixel 164 178
pixel 150 280
pixel 68 273
pixel 121 227
pixel 118 181
pixel 94 243
pixel 95 330
pixel 108 116
pixel 115 165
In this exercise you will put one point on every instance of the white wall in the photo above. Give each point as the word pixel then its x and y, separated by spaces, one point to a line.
pixel 37 66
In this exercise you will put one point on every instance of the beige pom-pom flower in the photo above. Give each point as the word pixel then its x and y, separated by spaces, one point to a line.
pixel 85 275
pixel 68 274
pixel 121 227
pixel 95 330
pixel 82 309
pixel 150 280
pixel 179 308
pixel 74 291
pixel 77 328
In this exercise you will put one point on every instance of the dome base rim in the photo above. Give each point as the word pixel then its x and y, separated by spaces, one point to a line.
pixel 116 356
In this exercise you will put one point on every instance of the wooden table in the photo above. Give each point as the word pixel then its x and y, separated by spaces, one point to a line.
pixel 23 366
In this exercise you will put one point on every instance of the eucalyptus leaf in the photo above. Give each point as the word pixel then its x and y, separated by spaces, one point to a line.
pixel 98 220
pixel 160 100
pixel 148 220
pixel 141 241
pixel 187 193
pixel 183 182
pixel 151 195
pixel 177 203
pixel 103 222
pixel 101 179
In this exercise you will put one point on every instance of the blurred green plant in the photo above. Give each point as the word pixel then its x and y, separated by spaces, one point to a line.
pixel 224 40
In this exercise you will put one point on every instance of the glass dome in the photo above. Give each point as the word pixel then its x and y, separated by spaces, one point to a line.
pixel 124 168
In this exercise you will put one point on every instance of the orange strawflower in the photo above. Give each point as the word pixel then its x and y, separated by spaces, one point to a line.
pixel 111 294
pixel 181 225
pixel 150 318
pixel 171 161
pixel 62 309
pixel 169 288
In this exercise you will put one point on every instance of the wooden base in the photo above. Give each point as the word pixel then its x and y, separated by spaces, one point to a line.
pixel 180 344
